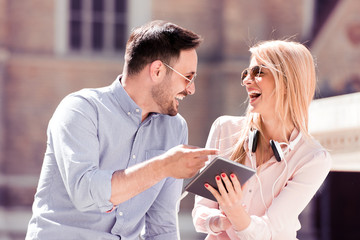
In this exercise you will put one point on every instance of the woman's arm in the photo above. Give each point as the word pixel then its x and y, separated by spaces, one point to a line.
pixel 279 221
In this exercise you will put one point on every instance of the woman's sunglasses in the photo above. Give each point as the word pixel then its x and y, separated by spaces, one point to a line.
pixel 255 71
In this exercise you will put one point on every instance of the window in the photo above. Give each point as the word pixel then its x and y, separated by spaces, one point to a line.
pixel 97 25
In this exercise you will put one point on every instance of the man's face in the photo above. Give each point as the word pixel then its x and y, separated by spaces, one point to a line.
pixel 175 87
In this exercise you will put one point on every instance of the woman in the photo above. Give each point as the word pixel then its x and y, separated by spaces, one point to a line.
pixel 273 138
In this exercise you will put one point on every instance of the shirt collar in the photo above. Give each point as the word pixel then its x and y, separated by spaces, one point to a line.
pixel 126 103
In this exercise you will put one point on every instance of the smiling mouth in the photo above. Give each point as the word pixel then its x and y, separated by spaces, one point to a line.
pixel 253 95
pixel 180 97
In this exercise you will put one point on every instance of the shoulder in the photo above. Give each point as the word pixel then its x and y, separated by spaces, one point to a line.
pixel 225 131
pixel 312 147
pixel 90 94
pixel 86 95
pixel 84 102
pixel 229 122
pixel 312 152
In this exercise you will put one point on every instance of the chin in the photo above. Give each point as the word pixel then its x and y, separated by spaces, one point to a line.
pixel 172 111
pixel 251 109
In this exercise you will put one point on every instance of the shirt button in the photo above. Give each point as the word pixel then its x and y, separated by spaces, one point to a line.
pixel 134 156
pixel 137 110
pixel 121 213
pixel 129 113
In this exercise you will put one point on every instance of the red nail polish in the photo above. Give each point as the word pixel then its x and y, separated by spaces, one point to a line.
pixel 218 178
pixel 206 185
pixel 223 175
pixel 232 175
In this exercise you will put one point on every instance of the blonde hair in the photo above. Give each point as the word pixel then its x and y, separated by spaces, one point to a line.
pixel 293 69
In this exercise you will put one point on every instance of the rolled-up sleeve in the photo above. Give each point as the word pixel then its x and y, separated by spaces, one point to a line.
pixel 73 137
pixel 203 211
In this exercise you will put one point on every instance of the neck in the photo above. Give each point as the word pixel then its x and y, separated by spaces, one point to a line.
pixel 138 92
pixel 274 129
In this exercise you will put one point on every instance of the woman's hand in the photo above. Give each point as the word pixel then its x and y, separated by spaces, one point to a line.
pixel 229 197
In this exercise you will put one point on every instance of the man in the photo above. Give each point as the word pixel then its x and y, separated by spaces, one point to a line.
pixel 115 155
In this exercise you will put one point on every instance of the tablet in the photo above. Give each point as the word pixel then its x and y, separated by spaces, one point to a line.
pixel 216 167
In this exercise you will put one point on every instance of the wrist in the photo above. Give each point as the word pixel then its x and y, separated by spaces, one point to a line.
pixel 159 166
pixel 240 221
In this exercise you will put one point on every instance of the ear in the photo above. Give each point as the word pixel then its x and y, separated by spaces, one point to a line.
pixel 157 71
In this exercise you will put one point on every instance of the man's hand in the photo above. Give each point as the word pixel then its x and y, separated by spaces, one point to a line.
pixel 185 161
pixel 179 162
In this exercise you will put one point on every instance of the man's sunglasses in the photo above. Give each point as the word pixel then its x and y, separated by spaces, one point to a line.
pixel 190 81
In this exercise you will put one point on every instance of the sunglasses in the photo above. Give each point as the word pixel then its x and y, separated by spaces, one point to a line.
pixel 190 81
pixel 254 72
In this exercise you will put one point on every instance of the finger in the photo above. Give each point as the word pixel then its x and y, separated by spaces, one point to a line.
pixel 228 184
pixel 221 187
pixel 204 151
pixel 235 182
pixel 213 191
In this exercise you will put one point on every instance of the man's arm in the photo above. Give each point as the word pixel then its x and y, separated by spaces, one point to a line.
pixel 182 161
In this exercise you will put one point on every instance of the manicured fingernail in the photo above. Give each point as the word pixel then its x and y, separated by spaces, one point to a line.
pixel 218 178
pixel 232 175
pixel 223 175
pixel 206 185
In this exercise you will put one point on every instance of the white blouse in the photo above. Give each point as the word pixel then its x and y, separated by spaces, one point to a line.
pixel 276 195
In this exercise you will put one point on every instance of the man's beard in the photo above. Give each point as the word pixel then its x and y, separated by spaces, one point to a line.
pixel 166 102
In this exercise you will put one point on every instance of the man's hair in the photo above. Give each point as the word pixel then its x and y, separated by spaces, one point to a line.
pixel 157 40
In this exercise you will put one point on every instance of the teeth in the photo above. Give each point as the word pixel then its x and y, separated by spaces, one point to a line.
pixel 180 97
pixel 254 92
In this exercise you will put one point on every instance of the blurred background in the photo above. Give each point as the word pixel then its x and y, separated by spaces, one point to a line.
pixel 49 49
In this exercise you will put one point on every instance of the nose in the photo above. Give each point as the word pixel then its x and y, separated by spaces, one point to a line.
pixel 191 89
pixel 247 80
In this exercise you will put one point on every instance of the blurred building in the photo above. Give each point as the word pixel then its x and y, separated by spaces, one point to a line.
pixel 51 48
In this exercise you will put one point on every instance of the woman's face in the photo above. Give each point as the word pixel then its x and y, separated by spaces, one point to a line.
pixel 260 86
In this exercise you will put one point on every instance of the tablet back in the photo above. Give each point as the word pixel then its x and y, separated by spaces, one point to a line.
pixel 216 167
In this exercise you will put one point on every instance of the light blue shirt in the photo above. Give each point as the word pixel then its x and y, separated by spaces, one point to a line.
pixel 93 133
